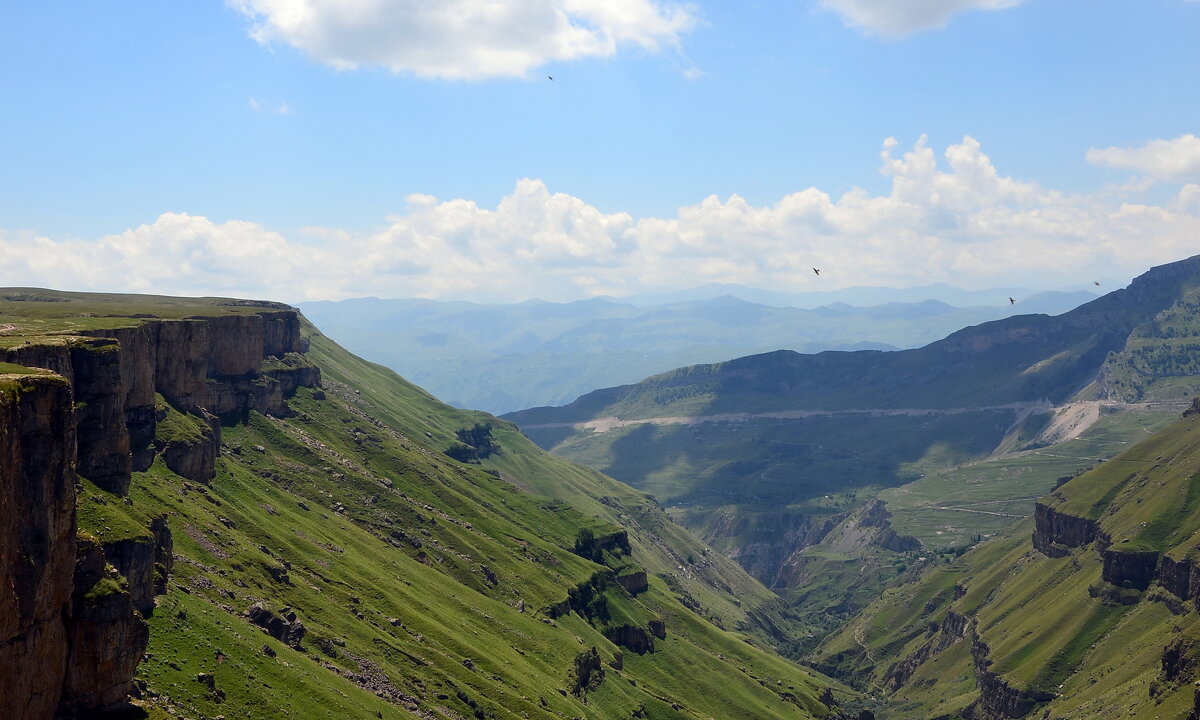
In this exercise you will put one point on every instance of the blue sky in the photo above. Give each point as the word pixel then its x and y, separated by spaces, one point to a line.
pixel 234 148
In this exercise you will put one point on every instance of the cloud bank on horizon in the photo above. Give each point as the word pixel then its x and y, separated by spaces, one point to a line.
pixel 894 19
pixel 957 221
pixel 464 39
pixel 1166 160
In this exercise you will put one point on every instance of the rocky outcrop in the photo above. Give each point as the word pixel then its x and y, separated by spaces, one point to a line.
pixel 587 673
pixel 292 370
pixel 281 333
pixel 953 628
pixel 37 541
pixel 1130 568
pixel 208 366
pixel 631 637
pixel 138 350
pixel 997 699
pixel 103 455
pixel 1181 578
pixel 145 563
pixel 181 369
pixel 1054 532
pixel 284 626
pixel 108 638
pixel 194 457
pixel 634 582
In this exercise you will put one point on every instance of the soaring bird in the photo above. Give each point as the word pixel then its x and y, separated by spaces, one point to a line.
pixel 1012 302
pixel 551 77
pixel 818 272
pixel 1096 283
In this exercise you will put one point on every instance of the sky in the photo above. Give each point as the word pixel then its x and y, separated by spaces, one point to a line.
pixel 323 149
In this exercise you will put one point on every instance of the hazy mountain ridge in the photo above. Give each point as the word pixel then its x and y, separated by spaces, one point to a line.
pixel 791 440
pixel 507 357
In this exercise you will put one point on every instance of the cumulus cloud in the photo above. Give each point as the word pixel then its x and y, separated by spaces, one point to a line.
pixel 464 39
pixel 1177 159
pixel 894 18
pixel 954 218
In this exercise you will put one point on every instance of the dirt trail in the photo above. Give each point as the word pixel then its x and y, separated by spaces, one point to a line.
pixel 605 424
pixel 7 328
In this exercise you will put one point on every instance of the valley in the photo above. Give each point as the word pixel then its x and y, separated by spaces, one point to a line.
pixel 263 525
pixel 766 457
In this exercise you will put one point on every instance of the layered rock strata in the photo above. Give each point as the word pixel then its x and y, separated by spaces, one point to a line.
pixel 1055 533
pixel 37 541
pixel 71 609
pixel 207 366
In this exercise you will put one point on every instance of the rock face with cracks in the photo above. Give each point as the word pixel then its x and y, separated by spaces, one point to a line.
pixel 71 608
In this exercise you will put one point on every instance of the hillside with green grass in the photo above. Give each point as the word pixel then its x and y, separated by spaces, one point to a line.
pixel 1086 610
pixel 763 455
pixel 333 561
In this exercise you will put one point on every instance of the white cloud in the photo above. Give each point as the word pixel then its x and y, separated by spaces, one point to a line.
pixel 955 219
pixel 894 18
pixel 1177 159
pixel 464 39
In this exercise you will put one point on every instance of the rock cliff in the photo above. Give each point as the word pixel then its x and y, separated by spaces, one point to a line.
pixel 37 541
pixel 71 608
pixel 1054 533
pixel 206 366
pixel 1180 577
pixel 997 699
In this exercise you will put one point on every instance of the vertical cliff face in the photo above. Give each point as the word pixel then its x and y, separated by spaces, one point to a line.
pixel 1055 533
pixel 37 541
pixel 107 638
pixel 206 366
pixel 71 609
pixel 103 456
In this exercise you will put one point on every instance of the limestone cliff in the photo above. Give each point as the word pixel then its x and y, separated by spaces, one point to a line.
pixel 71 608
pixel 37 541
pixel 206 366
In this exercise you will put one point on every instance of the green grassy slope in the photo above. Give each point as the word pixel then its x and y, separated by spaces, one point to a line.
pixel 792 441
pixel 709 582
pixel 1084 638
pixel 430 587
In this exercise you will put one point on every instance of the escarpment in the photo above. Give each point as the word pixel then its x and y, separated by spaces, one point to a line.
pixel 1055 533
pixel 37 541
pixel 102 404
pixel 205 366
pixel 998 700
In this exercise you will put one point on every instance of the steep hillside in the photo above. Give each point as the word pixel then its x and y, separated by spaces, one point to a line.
pixel 1086 610
pixel 763 454
pixel 276 523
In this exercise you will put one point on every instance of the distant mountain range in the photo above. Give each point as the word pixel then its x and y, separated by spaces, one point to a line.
pixel 762 454
pixel 507 357
pixel 858 296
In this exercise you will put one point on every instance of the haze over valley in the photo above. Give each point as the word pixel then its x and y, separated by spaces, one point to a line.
pixel 622 360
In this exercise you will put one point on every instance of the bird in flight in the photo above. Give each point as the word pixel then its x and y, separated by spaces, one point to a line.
pixel 551 77
pixel 1012 302
pixel 1096 283
pixel 818 272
